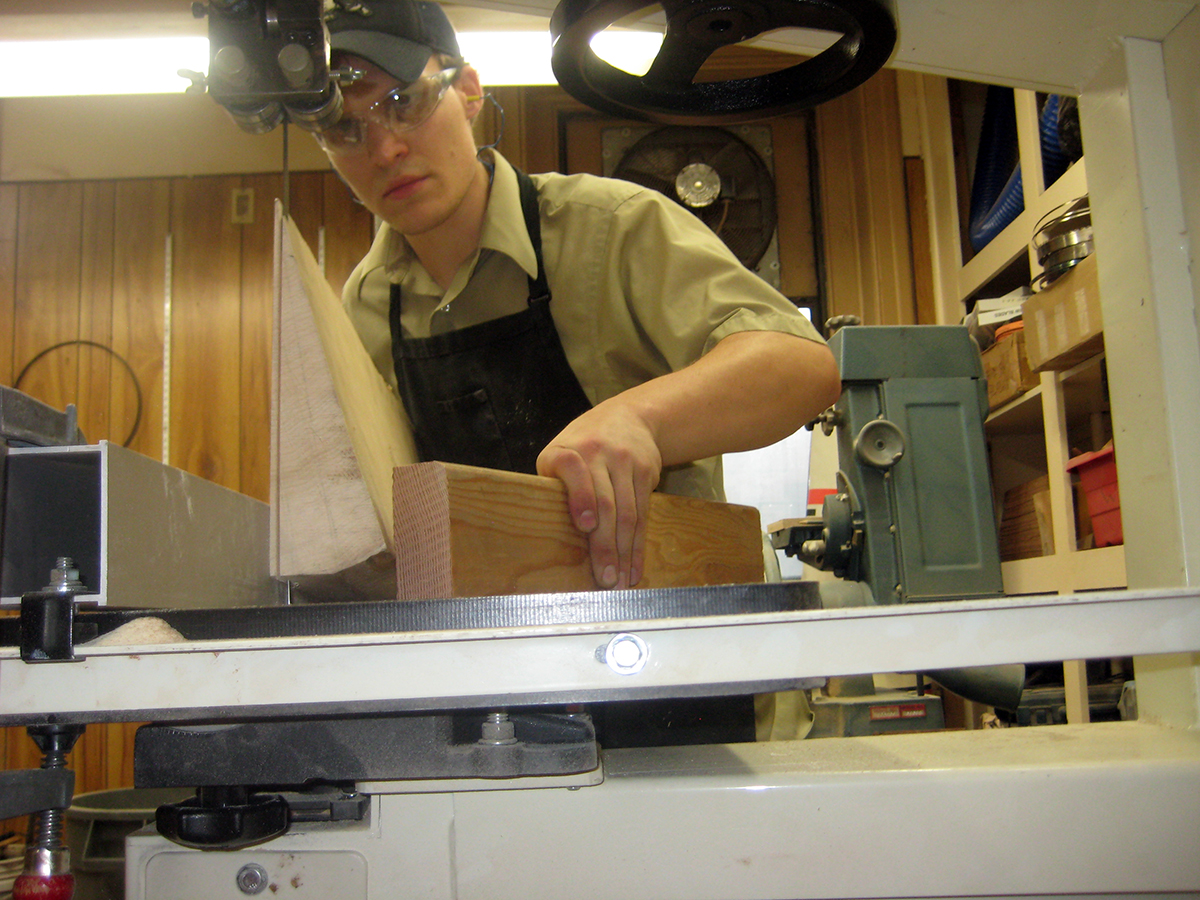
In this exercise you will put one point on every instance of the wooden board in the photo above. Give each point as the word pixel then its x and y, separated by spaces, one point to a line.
pixel 93 394
pixel 338 430
pixel 468 532
pixel 349 229
pixel 46 307
pixel 868 264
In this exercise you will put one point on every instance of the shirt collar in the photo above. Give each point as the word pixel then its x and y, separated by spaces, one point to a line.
pixel 503 210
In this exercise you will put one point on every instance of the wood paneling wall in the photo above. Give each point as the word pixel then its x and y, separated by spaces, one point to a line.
pixel 864 205
pixel 97 262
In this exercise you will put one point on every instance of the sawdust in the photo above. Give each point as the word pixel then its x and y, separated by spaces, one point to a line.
pixel 146 630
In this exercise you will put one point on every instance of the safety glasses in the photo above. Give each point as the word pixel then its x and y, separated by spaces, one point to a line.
pixel 398 111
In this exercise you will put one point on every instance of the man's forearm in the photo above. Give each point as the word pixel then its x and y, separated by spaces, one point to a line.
pixel 753 389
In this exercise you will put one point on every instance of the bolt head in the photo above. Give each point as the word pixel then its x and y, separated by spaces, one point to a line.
pixel 626 654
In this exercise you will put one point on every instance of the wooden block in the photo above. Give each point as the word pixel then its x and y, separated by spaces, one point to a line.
pixel 468 532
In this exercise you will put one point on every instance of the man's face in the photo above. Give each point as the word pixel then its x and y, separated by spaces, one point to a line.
pixel 415 180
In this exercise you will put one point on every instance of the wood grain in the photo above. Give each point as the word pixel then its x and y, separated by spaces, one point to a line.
pixel 886 197
pixel 96 369
pixel 257 322
pixel 8 278
pixel 468 532
pixel 142 212
pixel 349 228
pixel 46 309
pixel 797 246
pixel 922 248
pixel 307 206
pixel 205 331
pixel 864 208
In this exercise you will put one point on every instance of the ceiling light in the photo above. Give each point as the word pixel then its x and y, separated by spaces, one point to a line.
pixel 150 65
pixel 79 68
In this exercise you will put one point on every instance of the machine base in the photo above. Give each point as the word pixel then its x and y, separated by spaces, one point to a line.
pixel 1087 810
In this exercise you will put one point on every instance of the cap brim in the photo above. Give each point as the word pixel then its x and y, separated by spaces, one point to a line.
pixel 401 58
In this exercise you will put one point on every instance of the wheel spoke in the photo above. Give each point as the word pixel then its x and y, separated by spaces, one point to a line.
pixel 678 61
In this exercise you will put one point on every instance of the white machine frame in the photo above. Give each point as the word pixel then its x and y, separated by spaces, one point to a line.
pixel 1096 810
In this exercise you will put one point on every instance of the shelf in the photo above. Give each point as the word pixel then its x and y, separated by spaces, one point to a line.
pixel 1102 568
pixel 1083 394
pixel 1006 248
pixel 1032 437
pixel 1021 415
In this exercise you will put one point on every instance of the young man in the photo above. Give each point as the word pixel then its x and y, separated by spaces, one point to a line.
pixel 580 327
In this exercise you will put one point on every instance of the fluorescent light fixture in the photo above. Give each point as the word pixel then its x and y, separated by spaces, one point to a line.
pixel 150 65
pixel 86 67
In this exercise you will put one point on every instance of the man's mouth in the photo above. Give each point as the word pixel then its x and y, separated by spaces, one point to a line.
pixel 403 187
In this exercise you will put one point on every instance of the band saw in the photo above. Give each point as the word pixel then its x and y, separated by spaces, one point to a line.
pixel 444 748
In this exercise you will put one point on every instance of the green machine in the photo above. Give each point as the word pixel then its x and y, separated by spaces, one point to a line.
pixel 912 519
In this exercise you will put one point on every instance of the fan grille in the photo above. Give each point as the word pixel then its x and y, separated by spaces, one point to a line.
pixel 743 214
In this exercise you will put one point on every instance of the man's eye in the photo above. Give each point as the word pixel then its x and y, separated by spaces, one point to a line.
pixel 344 130
pixel 400 101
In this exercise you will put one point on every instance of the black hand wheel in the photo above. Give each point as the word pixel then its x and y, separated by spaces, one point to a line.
pixel 697 28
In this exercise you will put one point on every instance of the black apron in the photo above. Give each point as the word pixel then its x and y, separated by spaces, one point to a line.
pixel 494 394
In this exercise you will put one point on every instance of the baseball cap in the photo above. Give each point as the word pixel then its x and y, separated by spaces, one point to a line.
pixel 399 36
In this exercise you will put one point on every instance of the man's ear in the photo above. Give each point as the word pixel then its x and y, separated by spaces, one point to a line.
pixel 468 85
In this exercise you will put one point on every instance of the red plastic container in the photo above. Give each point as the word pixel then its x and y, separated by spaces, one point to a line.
pixel 1098 478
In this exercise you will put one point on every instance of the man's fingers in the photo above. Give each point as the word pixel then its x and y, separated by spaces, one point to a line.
pixel 570 468
pixel 626 518
pixel 609 463
pixel 637 564
pixel 602 542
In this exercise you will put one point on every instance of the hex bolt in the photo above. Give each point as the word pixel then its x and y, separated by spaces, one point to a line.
pixel 498 729
pixel 64 577
pixel 252 879
pixel 626 654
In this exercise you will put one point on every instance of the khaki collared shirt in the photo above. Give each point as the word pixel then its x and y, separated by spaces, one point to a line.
pixel 640 287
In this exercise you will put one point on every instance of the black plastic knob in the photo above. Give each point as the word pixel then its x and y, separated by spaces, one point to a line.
pixel 223 818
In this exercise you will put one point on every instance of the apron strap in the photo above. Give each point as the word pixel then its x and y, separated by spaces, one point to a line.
pixel 539 288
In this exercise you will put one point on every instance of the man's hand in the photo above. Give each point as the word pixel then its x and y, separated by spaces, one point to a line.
pixel 752 389
pixel 609 461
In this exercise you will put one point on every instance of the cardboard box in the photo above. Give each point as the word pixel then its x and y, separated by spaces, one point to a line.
pixel 1007 370
pixel 1063 324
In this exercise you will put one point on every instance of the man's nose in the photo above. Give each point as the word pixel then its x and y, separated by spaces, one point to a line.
pixel 384 144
